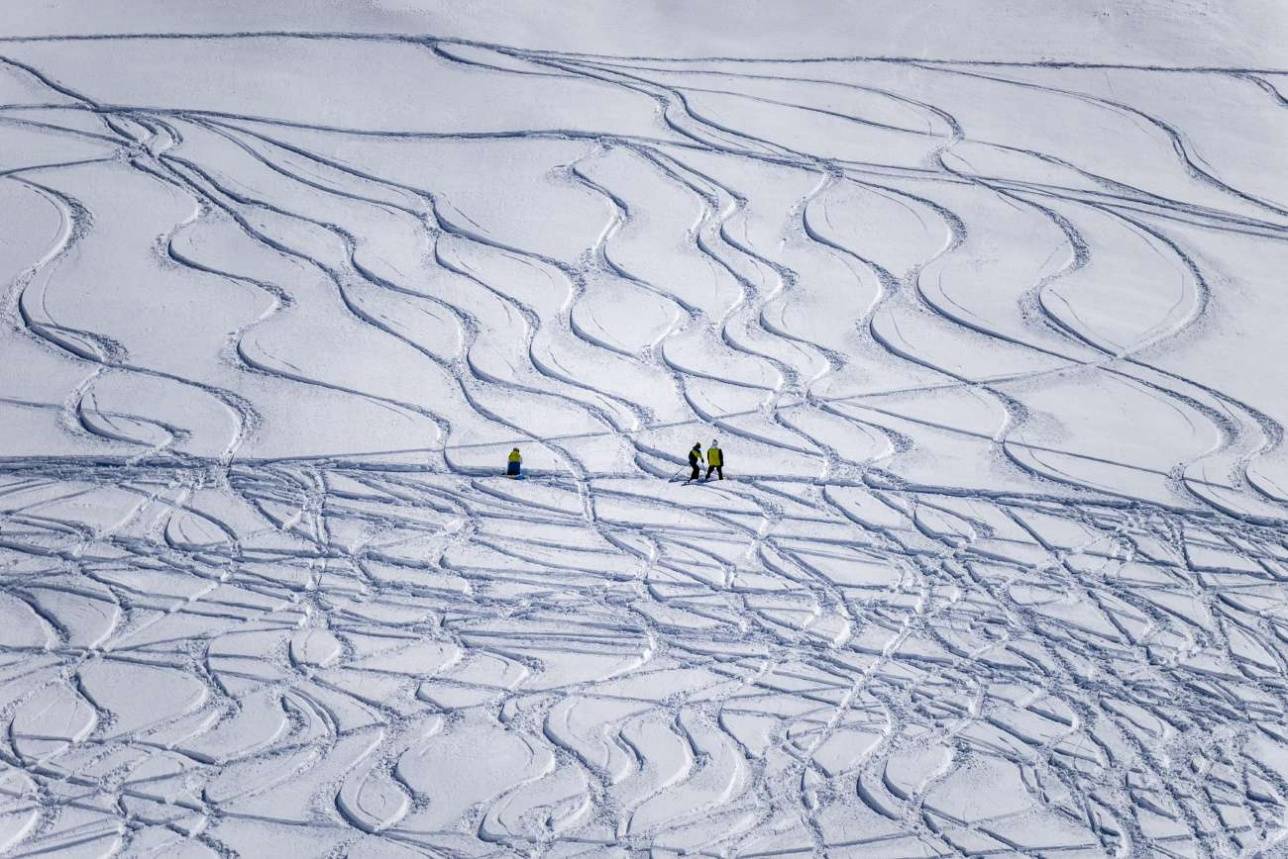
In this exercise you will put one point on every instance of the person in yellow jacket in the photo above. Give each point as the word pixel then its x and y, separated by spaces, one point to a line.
pixel 515 463
pixel 715 460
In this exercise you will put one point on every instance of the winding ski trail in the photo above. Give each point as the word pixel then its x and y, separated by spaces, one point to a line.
pixel 993 351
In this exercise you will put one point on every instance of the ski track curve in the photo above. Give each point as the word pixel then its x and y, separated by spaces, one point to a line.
pixel 932 614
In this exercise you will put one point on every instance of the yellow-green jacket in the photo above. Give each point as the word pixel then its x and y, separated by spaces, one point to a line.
pixel 715 456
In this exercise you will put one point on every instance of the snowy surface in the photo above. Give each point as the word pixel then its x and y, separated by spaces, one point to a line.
pixel 995 350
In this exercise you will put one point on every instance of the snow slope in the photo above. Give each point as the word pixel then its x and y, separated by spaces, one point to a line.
pixel 994 350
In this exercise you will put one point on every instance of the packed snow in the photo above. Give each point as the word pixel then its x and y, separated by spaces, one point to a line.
pixel 994 350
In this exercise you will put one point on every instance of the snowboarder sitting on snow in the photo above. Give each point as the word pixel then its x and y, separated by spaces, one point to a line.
pixel 695 461
pixel 515 463
pixel 715 460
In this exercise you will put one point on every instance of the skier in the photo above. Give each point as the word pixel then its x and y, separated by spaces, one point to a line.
pixel 715 460
pixel 515 463
pixel 695 460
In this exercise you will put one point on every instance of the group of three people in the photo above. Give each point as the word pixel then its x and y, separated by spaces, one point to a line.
pixel 715 461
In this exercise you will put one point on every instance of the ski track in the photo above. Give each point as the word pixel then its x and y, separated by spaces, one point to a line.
pixel 399 653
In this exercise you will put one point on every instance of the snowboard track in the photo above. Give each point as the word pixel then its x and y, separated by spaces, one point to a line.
pixel 396 652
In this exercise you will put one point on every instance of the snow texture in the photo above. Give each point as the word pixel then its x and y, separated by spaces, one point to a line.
pixel 994 350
